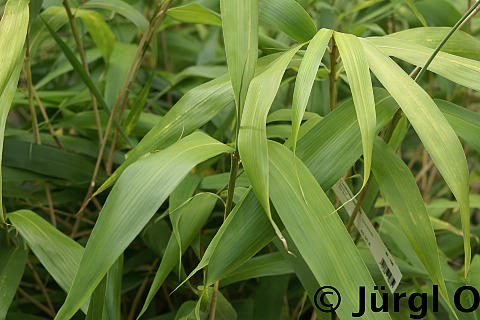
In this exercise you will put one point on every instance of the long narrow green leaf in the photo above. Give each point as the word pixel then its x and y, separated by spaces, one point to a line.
pixel 138 190
pixel 433 129
pixel 13 30
pixel 398 187
pixel 240 34
pixel 466 123
pixel 358 74
pixel 59 254
pixel 118 65
pixel 113 291
pixel 288 16
pixel 100 32
pixel 337 134
pixel 417 13
pixel 458 69
pixel 86 78
pixel 270 264
pixel 305 78
pixel 194 13
pixel 306 213
pixel 460 43
pixel 120 7
pixel 12 265
pixel 194 109
pixel 188 220
pixel 252 138
pixel 5 101
pixel 330 148
pixel 97 302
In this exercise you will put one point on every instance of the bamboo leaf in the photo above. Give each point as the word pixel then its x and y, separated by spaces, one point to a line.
pixel 86 78
pixel 433 129
pixel 460 43
pixel 358 74
pixel 59 254
pixel 120 7
pixel 339 134
pixel 416 12
pixel 398 187
pixel 466 123
pixel 187 222
pixel 458 69
pixel 288 16
pixel 121 58
pixel 252 138
pixel 100 32
pixel 240 33
pixel 270 264
pixel 12 265
pixel 306 213
pixel 193 110
pixel 113 291
pixel 5 101
pixel 13 30
pixel 194 13
pixel 305 78
pixel 330 148
pixel 137 190
pixel 97 302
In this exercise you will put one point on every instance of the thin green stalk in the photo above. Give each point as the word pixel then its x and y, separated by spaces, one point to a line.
pixel 466 17
pixel 78 42
pixel 332 75
pixel 33 113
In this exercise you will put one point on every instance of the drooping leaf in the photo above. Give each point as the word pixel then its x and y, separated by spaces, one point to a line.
pixel 358 74
pixel 460 43
pixel 433 129
pixel 466 123
pixel 12 265
pixel 187 221
pixel 458 69
pixel 138 190
pixel 332 146
pixel 305 78
pixel 307 215
pixel 288 16
pixel 194 13
pixel 252 137
pixel 193 110
pixel 5 101
pixel 269 264
pixel 122 8
pixel 187 115
pixel 59 254
pixel 13 30
pixel 398 187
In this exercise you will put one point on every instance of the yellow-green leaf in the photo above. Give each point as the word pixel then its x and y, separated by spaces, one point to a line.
pixel 358 74
pixel 437 135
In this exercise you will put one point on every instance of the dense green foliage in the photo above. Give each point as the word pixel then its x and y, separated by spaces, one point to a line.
pixel 175 159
